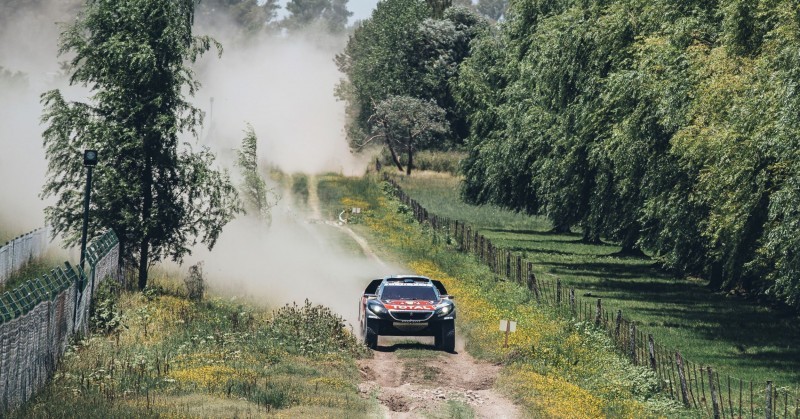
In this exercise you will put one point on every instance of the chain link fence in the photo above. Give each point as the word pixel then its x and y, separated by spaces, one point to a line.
pixel 38 318
pixel 22 250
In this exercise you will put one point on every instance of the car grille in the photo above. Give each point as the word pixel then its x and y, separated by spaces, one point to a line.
pixel 411 316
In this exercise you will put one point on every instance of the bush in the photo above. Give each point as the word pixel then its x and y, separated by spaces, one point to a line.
pixel 312 329
pixel 106 318
pixel 195 283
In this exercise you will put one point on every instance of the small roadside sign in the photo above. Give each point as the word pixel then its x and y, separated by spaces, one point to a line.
pixel 507 326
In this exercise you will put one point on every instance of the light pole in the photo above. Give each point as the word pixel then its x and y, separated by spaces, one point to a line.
pixel 89 161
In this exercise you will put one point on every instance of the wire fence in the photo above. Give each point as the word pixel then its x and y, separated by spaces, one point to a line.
pixel 22 250
pixel 38 318
pixel 695 385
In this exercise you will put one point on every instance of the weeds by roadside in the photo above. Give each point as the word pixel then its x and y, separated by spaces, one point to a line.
pixel 162 354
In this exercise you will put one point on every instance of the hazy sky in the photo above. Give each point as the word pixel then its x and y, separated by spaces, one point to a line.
pixel 361 9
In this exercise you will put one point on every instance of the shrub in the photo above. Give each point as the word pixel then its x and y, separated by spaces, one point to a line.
pixel 195 283
pixel 312 329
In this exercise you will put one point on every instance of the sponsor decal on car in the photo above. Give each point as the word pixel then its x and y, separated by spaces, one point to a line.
pixel 409 305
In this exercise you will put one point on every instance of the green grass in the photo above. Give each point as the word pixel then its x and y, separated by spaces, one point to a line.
pixel 738 337
pixel 214 358
pixel 440 194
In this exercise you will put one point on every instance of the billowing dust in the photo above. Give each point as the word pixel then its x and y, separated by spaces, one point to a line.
pixel 283 85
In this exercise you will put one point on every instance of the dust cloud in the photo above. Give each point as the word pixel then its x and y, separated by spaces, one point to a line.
pixel 281 84
pixel 28 67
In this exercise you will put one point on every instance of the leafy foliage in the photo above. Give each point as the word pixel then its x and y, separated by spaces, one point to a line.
pixel 159 196
pixel 312 329
pixel 407 48
pixel 669 127
pixel 331 14
pixel 251 16
pixel 257 196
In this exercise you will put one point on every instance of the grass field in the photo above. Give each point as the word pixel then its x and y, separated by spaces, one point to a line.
pixel 738 337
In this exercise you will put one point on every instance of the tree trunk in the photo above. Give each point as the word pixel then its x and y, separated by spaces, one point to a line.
pixel 630 246
pixel 410 161
pixel 147 205
pixel 394 156
pixel 561 228
pixel 590 236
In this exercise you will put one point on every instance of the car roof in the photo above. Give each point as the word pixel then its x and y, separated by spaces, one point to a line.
pixel 407 280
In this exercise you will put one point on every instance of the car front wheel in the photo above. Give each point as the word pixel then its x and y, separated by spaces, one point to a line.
pixel 445 338
pixel 371 333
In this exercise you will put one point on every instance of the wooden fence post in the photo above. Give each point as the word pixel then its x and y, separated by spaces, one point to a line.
pixel 598 314
pixel 508 264
pixel 483 254
pixel 533 285
pixel 632 344
pixel 713 390
pixel 651 348
pixel 558 292
pixel 768 409
pixel 618 324
pixel 572 300
pixel 682 377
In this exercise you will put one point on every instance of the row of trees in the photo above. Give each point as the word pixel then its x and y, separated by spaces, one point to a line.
pixel 254 16
pixel 670 127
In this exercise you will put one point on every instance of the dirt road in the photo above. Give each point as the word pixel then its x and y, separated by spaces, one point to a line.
pixel 411 379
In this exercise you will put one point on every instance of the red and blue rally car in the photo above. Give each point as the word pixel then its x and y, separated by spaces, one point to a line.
pixel 408 305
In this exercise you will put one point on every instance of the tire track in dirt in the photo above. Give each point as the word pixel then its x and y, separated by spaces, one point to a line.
pixel 418 386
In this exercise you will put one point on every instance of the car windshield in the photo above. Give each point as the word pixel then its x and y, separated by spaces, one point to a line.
pixel 408 292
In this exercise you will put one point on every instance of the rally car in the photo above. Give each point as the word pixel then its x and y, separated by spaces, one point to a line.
pixel 408 305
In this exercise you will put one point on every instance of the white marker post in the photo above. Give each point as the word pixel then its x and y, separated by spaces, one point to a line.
pixel 508 327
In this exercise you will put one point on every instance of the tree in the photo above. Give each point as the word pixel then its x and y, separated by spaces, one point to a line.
pixel 250 15
pixel 333 14
pixel 402 51
pixel 257 197
pixel 160 197
pixel 375 62
pixel 407 124
pixel 493 9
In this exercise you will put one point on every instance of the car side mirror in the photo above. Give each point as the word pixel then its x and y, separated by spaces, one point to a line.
pixel 371 296
pixel 449 297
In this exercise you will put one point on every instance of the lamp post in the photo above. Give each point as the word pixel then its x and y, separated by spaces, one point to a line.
pixel 89 161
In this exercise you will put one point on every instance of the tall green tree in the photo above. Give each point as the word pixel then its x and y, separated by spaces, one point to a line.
pixel 406 125
pixel 332 14
pixel 251 16
pixel 159 196
pixel 493 9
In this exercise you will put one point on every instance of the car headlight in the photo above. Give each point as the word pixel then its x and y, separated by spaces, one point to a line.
pixel 377 308
pixel 445 309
